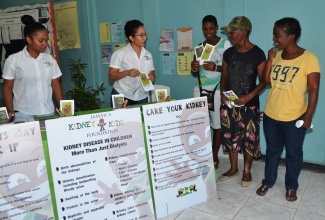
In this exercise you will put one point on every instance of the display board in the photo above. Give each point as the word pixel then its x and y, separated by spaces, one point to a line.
pixel 180 154
pixel 11 29
pixel 24 185
pixel 99 166
pixel 103 165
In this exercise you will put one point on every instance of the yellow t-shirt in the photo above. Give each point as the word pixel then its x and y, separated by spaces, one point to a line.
pixel 287 98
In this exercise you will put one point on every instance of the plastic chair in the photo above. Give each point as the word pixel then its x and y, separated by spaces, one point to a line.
pixel 152 94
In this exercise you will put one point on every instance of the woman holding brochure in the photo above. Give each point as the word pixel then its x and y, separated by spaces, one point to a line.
pixel 31 76
pixel 291 71
pixel 209 75
pixel 240 124
pixel 129 62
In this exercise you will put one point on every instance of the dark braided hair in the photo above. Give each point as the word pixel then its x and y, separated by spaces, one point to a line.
pixel 290 26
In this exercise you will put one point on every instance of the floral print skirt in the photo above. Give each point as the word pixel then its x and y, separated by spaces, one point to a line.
pixel 240 128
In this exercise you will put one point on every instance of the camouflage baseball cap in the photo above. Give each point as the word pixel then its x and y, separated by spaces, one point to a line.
pixel 238 23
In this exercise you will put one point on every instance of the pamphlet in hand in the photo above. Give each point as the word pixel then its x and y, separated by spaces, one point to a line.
pixel 198 50
pixel 146 83
pixel 232 96
pixel 207 52
pixel 203 53
pixel 3 115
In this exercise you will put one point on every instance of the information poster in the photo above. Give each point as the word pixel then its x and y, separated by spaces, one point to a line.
pixel 184 63
pixel 166 41
pixel 169 63
pixel 116 29
pixel 99 166
pixel 24 186
pixel 67 26
pixel 11 22
pixel 118 46
pixel 185 42
pixel 106 54
pixel 104 32
pixel 179 142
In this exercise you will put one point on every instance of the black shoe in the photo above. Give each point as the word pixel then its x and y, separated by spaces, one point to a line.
pixel 291 195
pixel 262 190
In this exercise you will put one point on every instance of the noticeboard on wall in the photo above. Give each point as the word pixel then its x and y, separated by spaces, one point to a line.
pixel 11 29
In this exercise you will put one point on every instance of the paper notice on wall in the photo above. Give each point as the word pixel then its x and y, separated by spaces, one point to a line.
pixel 166 40
pixel 118 46
pixel 24 186
pixel 107 52
pixel 184 63
pixel 104 32
pixel 99 166
pixel 169 63
pixel 185 42
pixel 181 164
pixel 116 29
pixel 67 26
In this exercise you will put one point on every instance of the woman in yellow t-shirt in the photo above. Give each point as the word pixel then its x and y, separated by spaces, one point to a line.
pixel 292 72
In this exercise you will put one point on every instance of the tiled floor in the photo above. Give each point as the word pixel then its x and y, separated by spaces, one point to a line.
pixel 238 203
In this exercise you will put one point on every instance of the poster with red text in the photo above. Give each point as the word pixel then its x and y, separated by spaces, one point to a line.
pixel 179 142
pixel 99 166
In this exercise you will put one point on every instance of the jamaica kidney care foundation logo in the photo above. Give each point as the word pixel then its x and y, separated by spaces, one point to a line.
pixel 186 191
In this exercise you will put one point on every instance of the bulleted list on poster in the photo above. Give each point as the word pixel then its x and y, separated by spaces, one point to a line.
pixel 99 166
pixel 179 143
pixel 24 186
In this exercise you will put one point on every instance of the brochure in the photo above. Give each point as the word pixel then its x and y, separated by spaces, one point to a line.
pixel 3 115
pixel 67 107
pixel 232 96
pixel 207 52
pixel 146 83
pixel 198 50
pixel 161 95
pixel 117 100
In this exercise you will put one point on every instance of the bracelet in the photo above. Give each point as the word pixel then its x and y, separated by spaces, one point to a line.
pixel 194 70
pixel 216 67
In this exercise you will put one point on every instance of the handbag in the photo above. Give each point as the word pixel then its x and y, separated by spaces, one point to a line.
pixel 209 94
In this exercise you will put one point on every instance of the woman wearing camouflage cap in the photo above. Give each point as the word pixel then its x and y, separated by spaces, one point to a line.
pixel 240 124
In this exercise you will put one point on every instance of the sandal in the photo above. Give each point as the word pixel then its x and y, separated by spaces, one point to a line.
pixel 223 177
pixel 262 190
pixel 247 179
pixel 291 195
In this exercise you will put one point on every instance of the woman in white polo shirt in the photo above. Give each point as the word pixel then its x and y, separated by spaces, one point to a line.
pixel 128 62
pixel 31 76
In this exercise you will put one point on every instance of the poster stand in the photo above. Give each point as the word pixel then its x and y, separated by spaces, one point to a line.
pixel 119 164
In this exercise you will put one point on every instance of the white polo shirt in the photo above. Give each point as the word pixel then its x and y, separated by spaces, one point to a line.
pixel 125 59
pixel 32 88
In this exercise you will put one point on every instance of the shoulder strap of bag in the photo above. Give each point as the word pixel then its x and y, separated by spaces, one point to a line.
pixel 200 85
